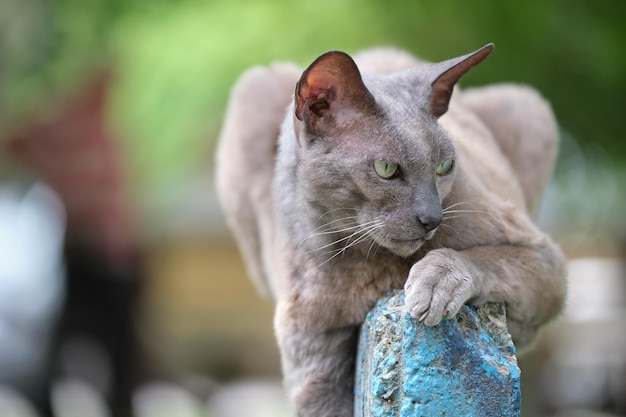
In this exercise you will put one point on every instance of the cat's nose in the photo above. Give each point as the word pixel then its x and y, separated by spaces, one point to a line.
pixel 429 223
pixel 428 210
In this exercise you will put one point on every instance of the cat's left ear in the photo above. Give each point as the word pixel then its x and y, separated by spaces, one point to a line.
pixel 331 90
pixel 444 76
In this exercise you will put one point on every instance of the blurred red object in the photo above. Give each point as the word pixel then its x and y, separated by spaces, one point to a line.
pixel 71 149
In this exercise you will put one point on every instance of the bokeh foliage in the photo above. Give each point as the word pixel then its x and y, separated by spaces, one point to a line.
pixel 174 61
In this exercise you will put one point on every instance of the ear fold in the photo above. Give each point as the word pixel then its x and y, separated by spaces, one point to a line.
pixel 446 74
pixel 329 85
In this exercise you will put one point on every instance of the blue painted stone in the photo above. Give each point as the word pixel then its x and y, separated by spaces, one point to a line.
pixel 465 366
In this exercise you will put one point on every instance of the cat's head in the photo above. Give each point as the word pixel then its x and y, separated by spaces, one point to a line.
pixel 374 162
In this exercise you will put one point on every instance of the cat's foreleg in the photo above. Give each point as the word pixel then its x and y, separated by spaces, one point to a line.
pixel 530 280
pixel 318 367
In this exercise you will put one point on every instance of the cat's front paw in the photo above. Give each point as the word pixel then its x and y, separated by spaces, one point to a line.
pixel 438 285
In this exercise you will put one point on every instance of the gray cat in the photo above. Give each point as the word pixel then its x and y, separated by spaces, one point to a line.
pixel 381 180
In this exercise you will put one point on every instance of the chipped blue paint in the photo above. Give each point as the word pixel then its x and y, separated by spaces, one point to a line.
pixel 462 367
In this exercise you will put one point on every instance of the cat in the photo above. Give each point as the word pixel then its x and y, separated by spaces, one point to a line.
pixel 379 178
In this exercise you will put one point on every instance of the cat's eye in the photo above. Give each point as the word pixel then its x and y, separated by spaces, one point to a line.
pixel 385 169
pixel 445 167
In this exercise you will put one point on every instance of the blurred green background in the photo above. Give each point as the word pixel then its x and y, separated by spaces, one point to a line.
pixel 172 64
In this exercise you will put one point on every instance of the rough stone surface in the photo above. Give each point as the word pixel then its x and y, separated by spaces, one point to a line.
pixel 465 366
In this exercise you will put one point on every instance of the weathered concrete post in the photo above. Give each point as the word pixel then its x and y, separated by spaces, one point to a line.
pixel 464 366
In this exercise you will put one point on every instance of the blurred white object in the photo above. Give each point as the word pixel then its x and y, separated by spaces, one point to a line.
pixel 250 399
pixel 74 398
pixel 582 413
pixel 165 400
pixel 86 360
pixel 597 289
pixel 32 228
pixel 13 404
pixel 587 366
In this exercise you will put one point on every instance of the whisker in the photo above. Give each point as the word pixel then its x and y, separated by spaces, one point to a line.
pixel 344 249
pixel 360 229
pixel 333 210
pixel 459 211
pixel 341 219
pixel 329 225
pixel 364 236
pixel 456 204
pixel 330 232
pixel 450 227
pixel 333 243
pixel 369 250
pixel 333 222
pixel 451 217
pixel 464 211
pixel 364 233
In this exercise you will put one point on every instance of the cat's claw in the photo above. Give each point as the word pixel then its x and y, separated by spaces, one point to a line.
pixel 437 286
pixel 423 316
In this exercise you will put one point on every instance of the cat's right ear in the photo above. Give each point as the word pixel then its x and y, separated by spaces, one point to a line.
pixel 444 76
pixel 330 92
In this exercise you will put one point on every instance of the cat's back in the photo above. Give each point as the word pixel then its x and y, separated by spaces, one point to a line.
pixel 483 161
pixel 385 60
pixel 245 157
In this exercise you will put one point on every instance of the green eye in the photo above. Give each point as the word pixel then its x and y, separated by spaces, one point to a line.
pixel 445 167
pixel 385 169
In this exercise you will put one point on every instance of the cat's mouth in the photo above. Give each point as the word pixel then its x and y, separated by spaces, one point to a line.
pixel 407 246
pixel 400 241
pixel 404 247
pixel 420 238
